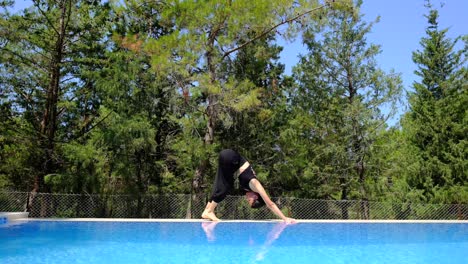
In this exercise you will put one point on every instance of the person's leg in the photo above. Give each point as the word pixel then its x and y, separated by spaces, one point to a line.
pixel 208 213
pixel 220 189
pixel 224 182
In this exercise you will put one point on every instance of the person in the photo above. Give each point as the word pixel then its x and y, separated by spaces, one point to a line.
pixel 231 163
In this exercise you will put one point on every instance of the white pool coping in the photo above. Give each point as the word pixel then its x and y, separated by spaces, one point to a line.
pixel 237 221
pixel 14 215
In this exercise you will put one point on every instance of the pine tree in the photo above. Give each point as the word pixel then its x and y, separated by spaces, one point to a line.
pixel 436 125
pixel 205 35
pixel 339 105
pixel 49 52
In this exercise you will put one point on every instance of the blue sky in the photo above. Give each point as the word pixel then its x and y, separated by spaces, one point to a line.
pixel 401 27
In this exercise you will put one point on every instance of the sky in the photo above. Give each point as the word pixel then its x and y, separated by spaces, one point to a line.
pixel 399 32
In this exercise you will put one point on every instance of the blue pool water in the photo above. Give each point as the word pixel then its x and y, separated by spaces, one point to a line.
pixel 38 242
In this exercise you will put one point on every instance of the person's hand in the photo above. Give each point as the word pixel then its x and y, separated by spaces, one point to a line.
pixel 288 220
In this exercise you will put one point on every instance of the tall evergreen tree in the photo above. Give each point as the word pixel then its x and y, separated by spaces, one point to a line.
pixel 49 52
pixel 339 103
pixel 205 35
pixel 436 125
pixel 138 104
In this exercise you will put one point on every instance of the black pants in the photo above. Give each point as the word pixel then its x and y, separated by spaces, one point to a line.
pixel 229 161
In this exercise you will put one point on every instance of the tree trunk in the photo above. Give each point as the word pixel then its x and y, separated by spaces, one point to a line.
pixel 344 198
pixel 357 147
pixel 48 125
pixel 211 112
pixel 364 201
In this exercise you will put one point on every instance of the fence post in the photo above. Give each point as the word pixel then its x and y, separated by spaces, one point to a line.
pixel 459 213
pixel 26 209
pixel 344 209
pixel 188 214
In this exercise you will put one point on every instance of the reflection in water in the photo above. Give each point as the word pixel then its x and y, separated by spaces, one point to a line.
pixel 209 227
pixel 273 235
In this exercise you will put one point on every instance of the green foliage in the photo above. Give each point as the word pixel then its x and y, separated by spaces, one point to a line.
pixel 337 108
pixel 17 151
pixel 49 54
pixel 436 125
pixel 146 93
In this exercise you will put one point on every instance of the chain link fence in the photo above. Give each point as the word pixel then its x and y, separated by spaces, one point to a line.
pixel 182 206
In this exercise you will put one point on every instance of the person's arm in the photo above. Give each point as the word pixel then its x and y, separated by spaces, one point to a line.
pixel 257 187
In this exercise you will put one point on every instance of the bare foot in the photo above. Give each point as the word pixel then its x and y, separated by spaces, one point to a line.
pixel 210 216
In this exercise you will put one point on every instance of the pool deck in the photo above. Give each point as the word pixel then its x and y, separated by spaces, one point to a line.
pixel 237 221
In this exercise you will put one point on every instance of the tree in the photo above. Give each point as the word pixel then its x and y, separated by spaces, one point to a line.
pixel 340 101
pixel 205 35
pixel 254 132
pixel 49 52
pixel 436 125
pixel 135 110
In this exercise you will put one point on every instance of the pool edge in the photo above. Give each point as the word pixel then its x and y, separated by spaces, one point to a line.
pixel 236 221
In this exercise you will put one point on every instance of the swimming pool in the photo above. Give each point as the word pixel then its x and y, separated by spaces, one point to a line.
pixel 232 242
